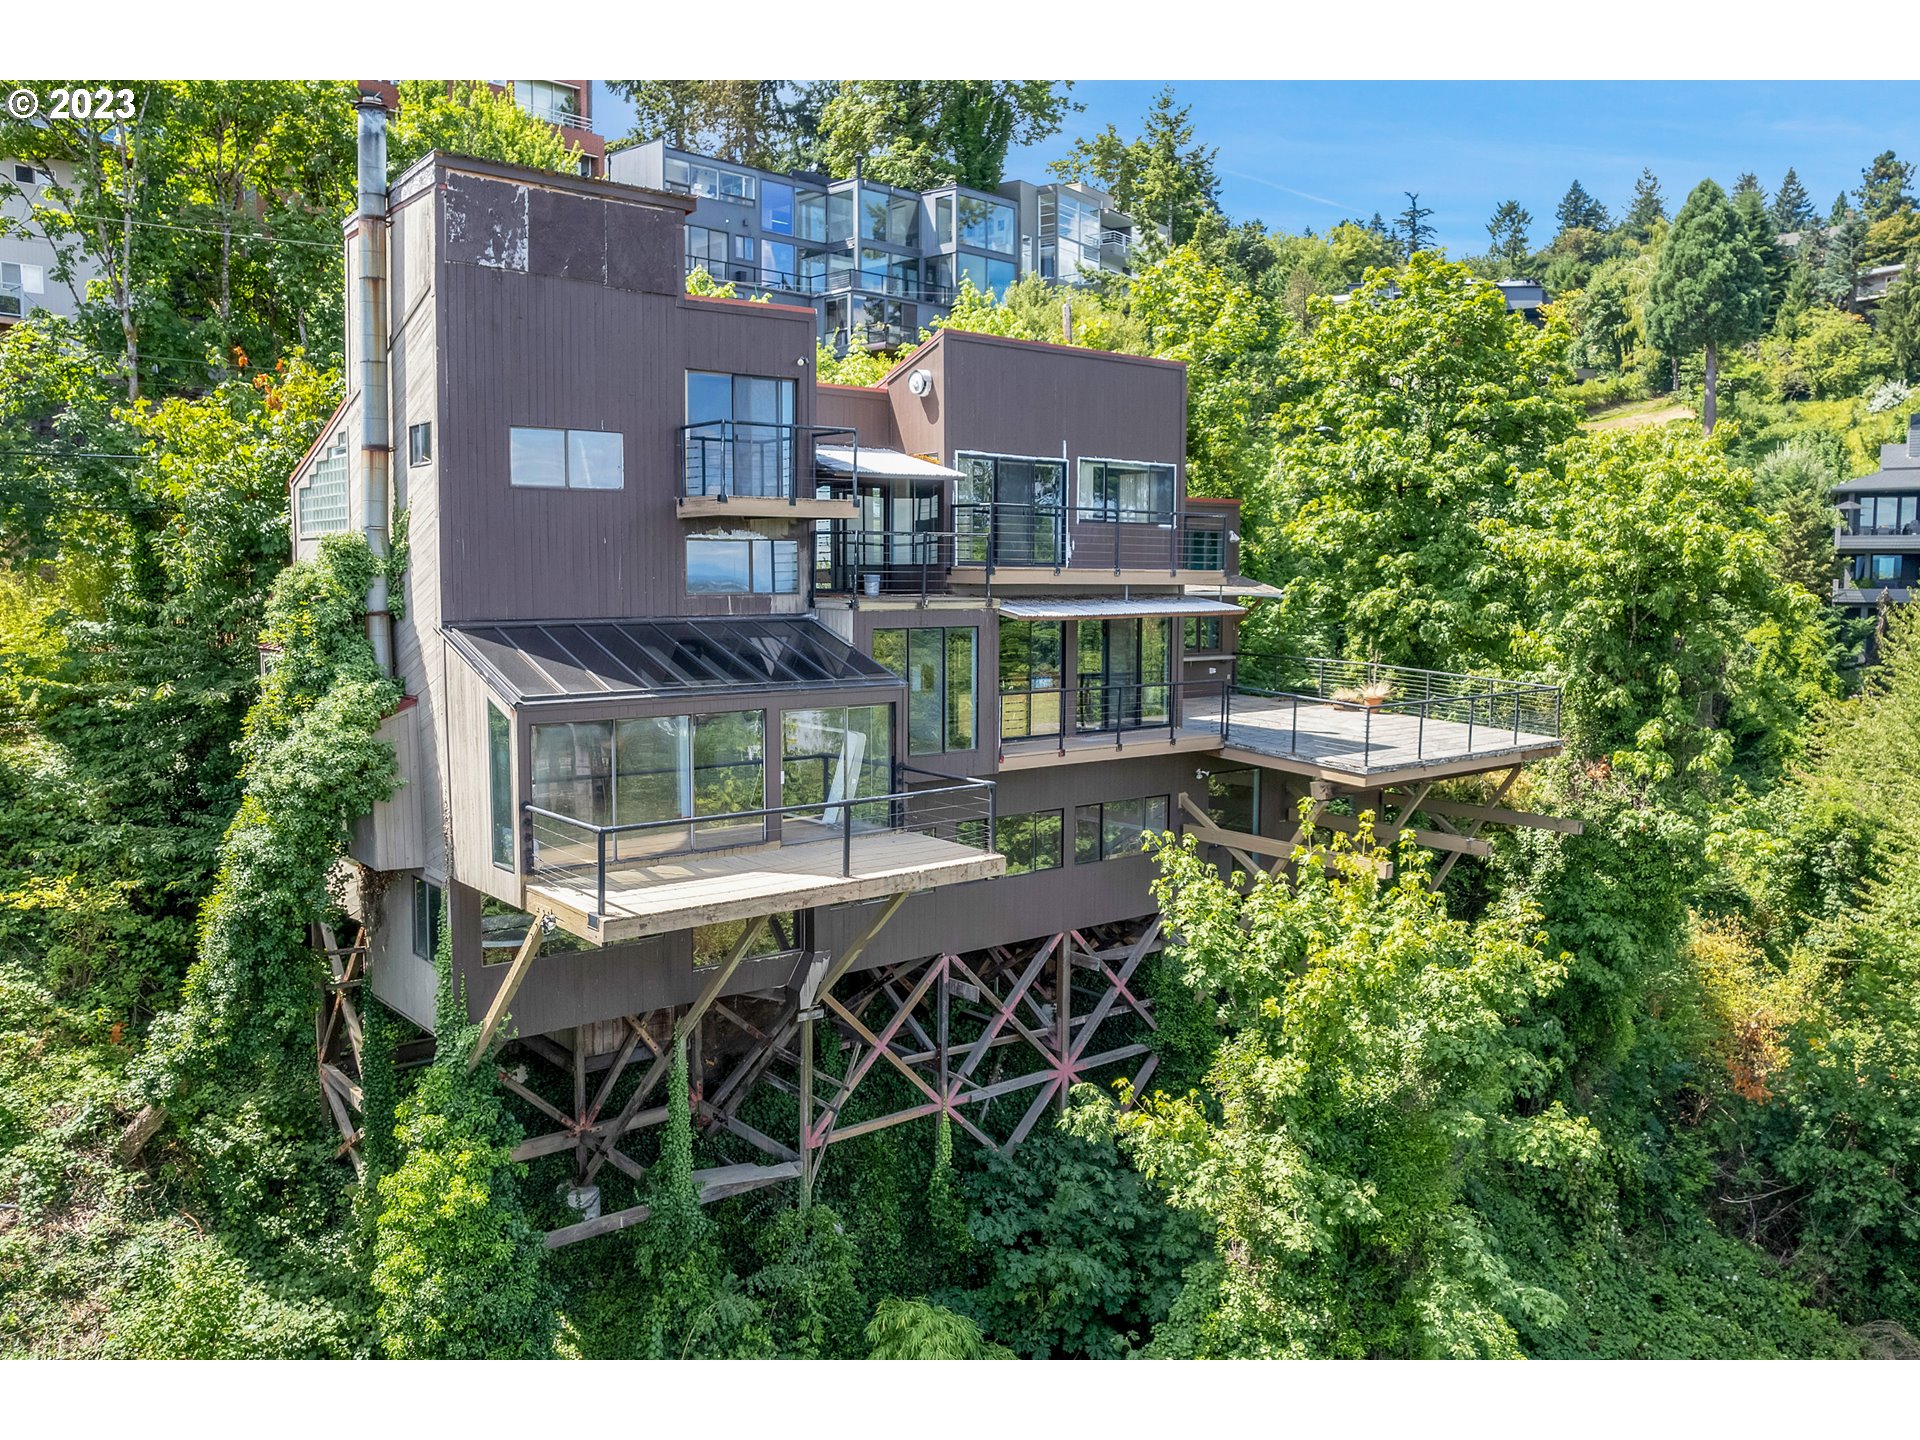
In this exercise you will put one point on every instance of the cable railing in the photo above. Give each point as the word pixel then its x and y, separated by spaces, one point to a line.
pixel 728 459
pixel 998 534
pixel 1379 715
pixel 567 847
pixel 1134 715
pixel 850 561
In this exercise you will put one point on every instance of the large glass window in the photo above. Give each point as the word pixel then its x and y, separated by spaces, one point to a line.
pixel 1888 515
pixel 740 438
pixel 1030 678
pixel 1030 842
pixel 811 213
pixel 1008 509
pixel 1233 798
pixel 940 667
pixel 777 264
pixel 660 768
pixel 1114 828
pixel 500 784
pixel 544 459
pixel 834 755
pixel 987 224
pixel 1202 635
pixel 776 207
pixel 1123 671
pixel 709 181
pixel 742 565
pixel 1126 491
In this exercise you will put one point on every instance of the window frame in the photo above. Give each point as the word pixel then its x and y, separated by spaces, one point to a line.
pixel 1099 511
pixel 309 484
pixel 567 436
pixel 429 900
pixel 1192 633
pixel 959 735
pixel 1029 822
pixel 1102 846
pixel 762 551
pixel 420 443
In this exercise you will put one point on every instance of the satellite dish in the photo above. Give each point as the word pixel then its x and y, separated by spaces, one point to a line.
pixel 920 382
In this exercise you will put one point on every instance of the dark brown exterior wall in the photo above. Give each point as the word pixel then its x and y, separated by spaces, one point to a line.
pixel 867 411
pixel 1011 397
pixel 586 336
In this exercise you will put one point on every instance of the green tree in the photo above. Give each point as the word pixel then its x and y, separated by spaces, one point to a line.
pixel 1710 288
pixel 1883 187
pixel 1376 1054
pixel 1507 231
pixel 922 133
pixel 1793 208
pixel 1578 210
pixel 1648 206
pixel 750 122
pixel 469 117
pixel 1162 178
pixel 457 1264
pixel 1410 227
pixel 1405 423
pixel 1652 574
pixel 921 1330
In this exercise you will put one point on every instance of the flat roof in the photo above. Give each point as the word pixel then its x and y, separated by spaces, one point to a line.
pixel 530 662
pixel 879 463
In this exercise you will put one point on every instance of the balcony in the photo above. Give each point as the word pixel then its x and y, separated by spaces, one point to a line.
pixel 1330 719
pixel 612 883
pixel 877 563
pixel 1052 544
pixel 748 469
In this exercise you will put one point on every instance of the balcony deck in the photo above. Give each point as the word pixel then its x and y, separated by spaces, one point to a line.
pixel 1340 742
pixel 680 891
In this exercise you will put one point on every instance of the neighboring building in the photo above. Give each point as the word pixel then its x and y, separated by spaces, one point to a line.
pixel 1871 288
pixel 1525 298
pixel 566 105
pixel 29 263
pixel 877 263
pixel 1879 535
pixel 794 710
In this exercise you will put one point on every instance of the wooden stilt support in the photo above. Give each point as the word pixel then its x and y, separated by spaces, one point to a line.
pixel 509 987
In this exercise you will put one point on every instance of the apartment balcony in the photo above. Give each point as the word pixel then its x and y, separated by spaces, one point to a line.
pixel 1017 544
pixel 612 883
pixel 13 302
pixel 1309 718
pixel 748 469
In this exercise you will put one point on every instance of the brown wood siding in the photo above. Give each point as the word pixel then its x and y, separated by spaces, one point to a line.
pixel 539 350
pixel 867 411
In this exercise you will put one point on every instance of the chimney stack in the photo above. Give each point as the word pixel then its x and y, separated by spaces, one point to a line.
pixel 370 350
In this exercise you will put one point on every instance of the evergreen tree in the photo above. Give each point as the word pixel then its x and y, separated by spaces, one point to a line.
pixel 1161 178
pixel 1578 210
pixel 1748 183
pixel 1508 231
pixel 1793 208
pixel 1840 266
pixel 1757 221
pixel 1710 289
pixel 1647 207
pixel 1411 227
pixel 1883 187
pixel 1377 225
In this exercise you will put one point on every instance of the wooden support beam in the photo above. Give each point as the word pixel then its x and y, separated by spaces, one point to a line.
pixel 714 1185
pixel 1388 834
pixel 1473 828
pixel 1206 830
pixel 553 1144
pixel 1495 815
pixel 845 961
pixel 509 987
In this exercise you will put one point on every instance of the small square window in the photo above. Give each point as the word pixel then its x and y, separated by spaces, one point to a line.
pixel 539 458
pixel 25 175
pixel 419 444
pixel 594 460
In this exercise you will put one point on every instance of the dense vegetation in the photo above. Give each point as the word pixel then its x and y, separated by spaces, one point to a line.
pixel 1641 1091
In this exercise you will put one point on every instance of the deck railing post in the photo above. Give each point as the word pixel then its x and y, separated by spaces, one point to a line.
pixel 1366 739
pixel 993 817
pixel 1420 734
pixel 600 872
pixel 846 837
pixel 1293 745
pixel 1469 725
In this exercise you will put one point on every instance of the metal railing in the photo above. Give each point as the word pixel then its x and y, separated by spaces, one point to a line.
pixel 960 811
pixel 1393 714
pixel 998 534
pixel 851 561
pixel 747 458
pixel 1135 714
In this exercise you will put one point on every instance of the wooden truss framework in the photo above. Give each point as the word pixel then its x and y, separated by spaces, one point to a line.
pixel 1030 1018
pixel 339 1039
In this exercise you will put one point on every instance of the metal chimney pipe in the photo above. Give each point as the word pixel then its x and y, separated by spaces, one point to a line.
pixel 370 349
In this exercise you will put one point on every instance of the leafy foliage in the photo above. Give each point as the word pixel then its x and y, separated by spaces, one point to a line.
pixel 921 1330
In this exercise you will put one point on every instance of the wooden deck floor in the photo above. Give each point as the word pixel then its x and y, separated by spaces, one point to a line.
pixel 1339 740
pixel 682 891
pixel 1326 741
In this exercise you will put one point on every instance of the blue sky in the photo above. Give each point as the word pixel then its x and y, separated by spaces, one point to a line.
pixel 1310 153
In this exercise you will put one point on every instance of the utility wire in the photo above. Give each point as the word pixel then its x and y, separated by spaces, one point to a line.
pixel 199 230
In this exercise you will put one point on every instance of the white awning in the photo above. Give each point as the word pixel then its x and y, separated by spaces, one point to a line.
pixel 875 463
pixel 1131 609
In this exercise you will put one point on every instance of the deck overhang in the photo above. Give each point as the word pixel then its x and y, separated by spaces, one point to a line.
pixel 770 507
pixel 681 891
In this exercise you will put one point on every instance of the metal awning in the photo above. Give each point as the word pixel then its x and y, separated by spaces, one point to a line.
pixel 535 662
pixel 1159 605
pixel 873 463
pixel 1239 587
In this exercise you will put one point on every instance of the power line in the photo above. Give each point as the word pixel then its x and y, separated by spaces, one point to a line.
pixel 202 230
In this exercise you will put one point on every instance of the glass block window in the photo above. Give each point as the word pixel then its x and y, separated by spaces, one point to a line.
pixel 320 500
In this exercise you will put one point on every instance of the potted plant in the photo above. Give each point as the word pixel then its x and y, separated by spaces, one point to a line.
pixel 1373 694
